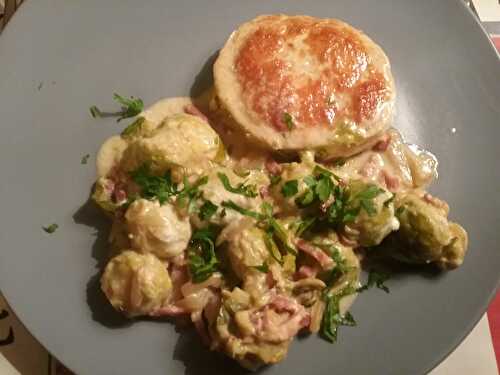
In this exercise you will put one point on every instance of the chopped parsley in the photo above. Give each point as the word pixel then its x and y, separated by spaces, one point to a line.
pixel 51 228
pixel 337 204
pixel 85 159
pixel 273 248
pixel 341 268
pixel 302 225
pixel 389 201
pixel 264 268
pixel 249 191
pixel 332 318
pixel 400 210
pixel 366 197
pixel 290 188
pixel 233 206
pixel 274 230
pixel 207 210
pixel 202 261
pixel 154 187
pixel 130 108
pixel 376 278
pixel 163 188
pixel 339 162
pixel 133 128
pixel 190 193
pixel 275 180
pixel 288 120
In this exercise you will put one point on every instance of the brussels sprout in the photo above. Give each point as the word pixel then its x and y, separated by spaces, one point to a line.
pixel 246 247
pixel 345 264
pixel 136 284
pixel 157 229
pixel 225 185
pixel 183 143
pixel 425 234
pixel 375 214
pixel 103 195
pixel 291 185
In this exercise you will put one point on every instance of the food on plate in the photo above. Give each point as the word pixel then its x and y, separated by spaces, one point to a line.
pixel 425 234
pixel 250 215
pixel 136 284
pixel 295 82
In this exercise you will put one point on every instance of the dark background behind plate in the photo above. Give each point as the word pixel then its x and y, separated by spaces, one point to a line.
pixel 447 77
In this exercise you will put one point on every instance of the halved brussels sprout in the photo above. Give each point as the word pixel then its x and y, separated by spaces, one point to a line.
pixel 157 229
pixel 425 234
pixel 183 143
pixel 136 284
pixel 375 219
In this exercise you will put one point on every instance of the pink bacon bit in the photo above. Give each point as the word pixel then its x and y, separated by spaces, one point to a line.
pixel 382 145
pixel 273 167
pixel 264 192
pixel 280 320
pixel 325 261
pixel 347 241
pixel 119 195
pixel 305 272
pixel 191 109
pixel 199 324
pixel 169 311
pixel 392 182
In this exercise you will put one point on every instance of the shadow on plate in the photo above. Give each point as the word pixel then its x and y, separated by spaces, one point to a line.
pixel 204 80
pixel 200 360
pixel 398 270
pixel 90 215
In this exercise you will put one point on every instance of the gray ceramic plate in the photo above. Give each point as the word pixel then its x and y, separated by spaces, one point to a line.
pixel 59 57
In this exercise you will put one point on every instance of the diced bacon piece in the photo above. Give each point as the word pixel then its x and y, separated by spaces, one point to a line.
pixel 391 182
pixel 264 192
pixel 347 241
pixel 325 261
pixel 199 324
pixel 169 310
pixel 372 167
pixel 273 167
pixel 191 109
pixel 383 143
pixel 305 272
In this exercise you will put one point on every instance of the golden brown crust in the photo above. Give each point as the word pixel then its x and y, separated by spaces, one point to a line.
pixel 318 73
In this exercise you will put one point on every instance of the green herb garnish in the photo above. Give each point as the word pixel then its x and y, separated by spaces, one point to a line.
pixel 275 180
pixel 133 128
pixel 190 193
pixel 288 120
pixel 366 198
pixel 390 200
pixel 202 261
pixel 400 210
pixel 273 248
pixel 273 227
pixel 233 206
pixel 302 225
pixel 207 210
pixel 249 191
pixel 339 162
pixel 130 108
pixel 332 318
pixel 264 268
pixel 290 188
pixel 51 228
pixel 85 159
pixel 378 279
pixel 154 187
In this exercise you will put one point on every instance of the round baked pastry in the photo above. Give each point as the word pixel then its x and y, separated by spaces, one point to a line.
pixel 298 82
